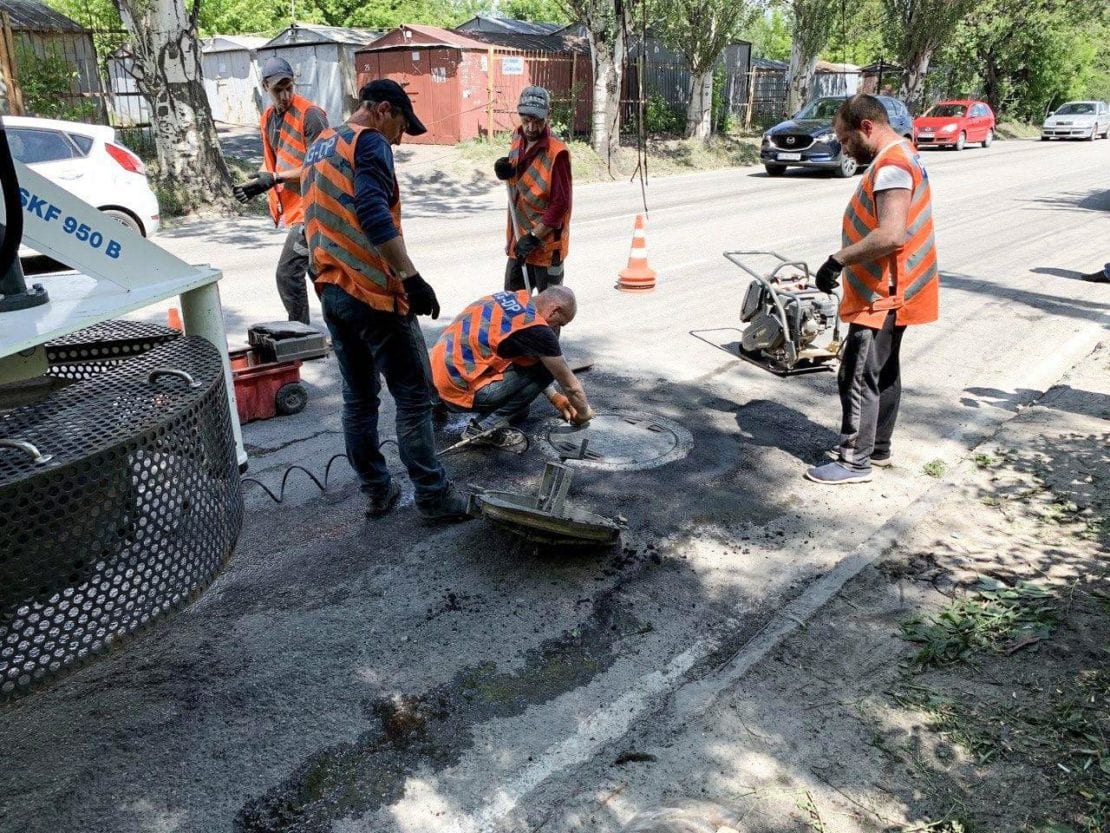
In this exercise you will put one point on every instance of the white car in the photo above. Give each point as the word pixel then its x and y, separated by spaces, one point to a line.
pixel 89 162
pixel 1078 120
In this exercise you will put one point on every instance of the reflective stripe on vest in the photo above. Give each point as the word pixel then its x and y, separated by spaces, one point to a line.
pixel 338 248
pixel 532 193
pixel 912 269
pixel 464 359
pixel 285 199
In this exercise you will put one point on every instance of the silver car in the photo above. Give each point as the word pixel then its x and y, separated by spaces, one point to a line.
pixel 1078 120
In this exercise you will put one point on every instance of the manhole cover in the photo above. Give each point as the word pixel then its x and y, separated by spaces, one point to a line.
pixel 618 441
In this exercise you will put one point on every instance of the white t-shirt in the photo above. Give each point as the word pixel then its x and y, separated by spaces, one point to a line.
pixel 891 177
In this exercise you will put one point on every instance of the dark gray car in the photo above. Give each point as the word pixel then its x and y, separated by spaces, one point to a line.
pixel 808 140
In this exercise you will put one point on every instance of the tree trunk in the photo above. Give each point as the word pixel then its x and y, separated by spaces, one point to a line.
pixel 913 78
pixel 167 72
pixel 802 70
pixel 608 67
pixel 991 87
pixel 699 112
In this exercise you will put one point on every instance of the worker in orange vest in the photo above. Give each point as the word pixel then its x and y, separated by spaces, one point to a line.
pixel 370 293
pixel 537 171
pixel 500 354
pixel 288 127
pixel 891 281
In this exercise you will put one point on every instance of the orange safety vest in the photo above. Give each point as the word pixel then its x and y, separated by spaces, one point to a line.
pixel 911 270
pixel 465 359
pixel 285 198
pixel 338 249
pixel 531 192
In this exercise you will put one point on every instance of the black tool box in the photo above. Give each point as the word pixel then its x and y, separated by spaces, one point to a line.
pixel 281 341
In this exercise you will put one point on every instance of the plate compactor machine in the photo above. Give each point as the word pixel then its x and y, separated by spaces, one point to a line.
pixel 788 318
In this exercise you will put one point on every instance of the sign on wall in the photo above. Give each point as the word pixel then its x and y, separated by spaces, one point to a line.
pixel 512 65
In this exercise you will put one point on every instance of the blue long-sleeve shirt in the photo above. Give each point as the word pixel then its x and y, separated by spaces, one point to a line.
pixel 375 187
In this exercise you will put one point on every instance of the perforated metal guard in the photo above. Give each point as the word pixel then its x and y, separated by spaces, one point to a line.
pixel 87 352
pixel 135 514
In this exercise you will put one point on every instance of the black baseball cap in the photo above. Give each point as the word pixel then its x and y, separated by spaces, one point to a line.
pixel 385 89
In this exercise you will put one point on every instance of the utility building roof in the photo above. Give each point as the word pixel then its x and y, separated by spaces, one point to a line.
pixel 29 16
pixel 303 34
pixel 505 25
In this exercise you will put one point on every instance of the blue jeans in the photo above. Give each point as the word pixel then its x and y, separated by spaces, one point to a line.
pixel 511 394
pixel 368 344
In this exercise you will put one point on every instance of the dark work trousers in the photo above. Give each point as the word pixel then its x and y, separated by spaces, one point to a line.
pixel 369 344
pixel 291 270
pixel 870 389
pixel 510 396
pixel 541 276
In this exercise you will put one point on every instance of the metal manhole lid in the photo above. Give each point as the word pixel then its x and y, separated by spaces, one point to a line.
pixel 618 441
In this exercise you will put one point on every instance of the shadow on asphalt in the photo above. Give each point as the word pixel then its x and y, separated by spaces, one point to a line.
pixel 1039 301
pixel 1096 199
pixel 1070 274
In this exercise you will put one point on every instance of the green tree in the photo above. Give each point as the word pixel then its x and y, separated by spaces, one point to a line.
pixel 540 11
pixel 857 33
pixel 166 52
pixel 699 30
pixel 915 30
pixel 769 34
pixel 1025 60
pixel 606 22
pixel 813 22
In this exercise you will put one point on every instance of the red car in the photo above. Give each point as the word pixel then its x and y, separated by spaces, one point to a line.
pixel 955 124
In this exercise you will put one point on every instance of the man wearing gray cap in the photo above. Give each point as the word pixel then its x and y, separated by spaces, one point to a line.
pixel 288 126
pixel 537 172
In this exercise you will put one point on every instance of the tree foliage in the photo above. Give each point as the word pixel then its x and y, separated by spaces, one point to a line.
pixel 769 34
pixel 857 33
pixel 1026 59
pixel 813 22
pixel 607 23
pixel 915 30
pixel 699 31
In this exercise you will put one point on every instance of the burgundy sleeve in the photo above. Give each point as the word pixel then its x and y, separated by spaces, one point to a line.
pixel 560 192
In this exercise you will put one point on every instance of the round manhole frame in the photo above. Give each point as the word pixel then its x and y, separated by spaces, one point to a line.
pixel 683 441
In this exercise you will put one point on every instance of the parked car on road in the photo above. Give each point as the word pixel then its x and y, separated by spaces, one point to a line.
pixel 1078 120
pixel 955 124
pixel 88 161
pixel 808 140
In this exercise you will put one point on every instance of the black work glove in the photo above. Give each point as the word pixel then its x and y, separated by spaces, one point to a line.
pixel 827 277
pixel 526 245
pixel 260 183
pixel 503 168
pixel 422 298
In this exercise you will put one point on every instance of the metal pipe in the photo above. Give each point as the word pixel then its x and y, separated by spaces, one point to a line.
pixel 37 456
pixel 203 316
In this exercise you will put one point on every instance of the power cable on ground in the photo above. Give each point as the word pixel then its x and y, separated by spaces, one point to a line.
pixel 323 487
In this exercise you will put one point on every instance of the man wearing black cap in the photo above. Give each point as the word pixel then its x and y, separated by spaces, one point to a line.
pixel 288 126
pixel 537 172
pixel 370 293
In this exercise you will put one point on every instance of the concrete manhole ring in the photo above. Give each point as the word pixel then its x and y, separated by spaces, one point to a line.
pixel 618 441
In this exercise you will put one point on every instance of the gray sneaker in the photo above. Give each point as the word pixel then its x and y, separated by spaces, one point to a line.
pixel 878 462
pixel 449 507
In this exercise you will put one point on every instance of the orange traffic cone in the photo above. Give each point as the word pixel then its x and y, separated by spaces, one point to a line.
pixel 637 276
pixel 173 320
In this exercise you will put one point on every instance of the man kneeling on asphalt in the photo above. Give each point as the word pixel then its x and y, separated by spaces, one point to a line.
pixel 500 354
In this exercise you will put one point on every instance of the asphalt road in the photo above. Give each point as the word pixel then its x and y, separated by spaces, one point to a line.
pixel 352 676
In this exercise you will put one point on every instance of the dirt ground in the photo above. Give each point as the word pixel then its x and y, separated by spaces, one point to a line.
pixel 959 684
